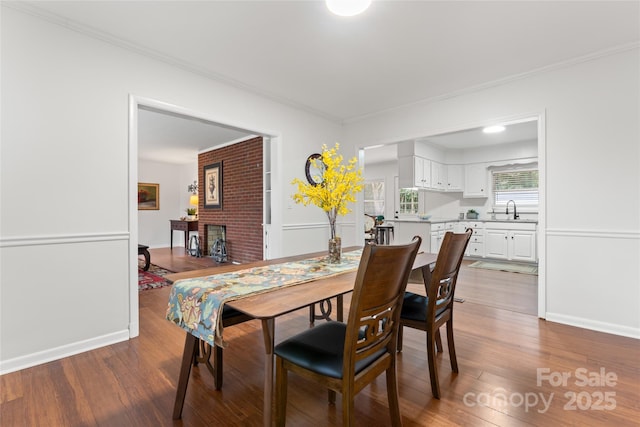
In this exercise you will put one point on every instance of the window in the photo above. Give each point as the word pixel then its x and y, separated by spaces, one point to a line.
pixel 374 198
pixel 408 201
pixel 520 186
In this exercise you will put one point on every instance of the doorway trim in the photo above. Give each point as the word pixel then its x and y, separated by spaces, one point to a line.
pixel 275 229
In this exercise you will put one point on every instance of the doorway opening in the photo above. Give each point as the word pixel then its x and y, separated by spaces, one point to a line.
pixel 180 116
pixel 459 147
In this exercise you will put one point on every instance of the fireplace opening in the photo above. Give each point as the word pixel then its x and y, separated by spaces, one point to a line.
pixel 216 242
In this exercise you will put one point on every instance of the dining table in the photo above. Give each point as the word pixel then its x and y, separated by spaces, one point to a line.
pixel 268 306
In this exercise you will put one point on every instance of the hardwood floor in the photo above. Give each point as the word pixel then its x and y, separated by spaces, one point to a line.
pixel 509 291
pixel 178 260
pixel 500 352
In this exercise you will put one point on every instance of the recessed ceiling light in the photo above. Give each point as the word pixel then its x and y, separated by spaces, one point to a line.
pixel 348 7
pixel 493 129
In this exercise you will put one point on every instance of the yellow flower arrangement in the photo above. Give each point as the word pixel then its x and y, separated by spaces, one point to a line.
pixel 339 186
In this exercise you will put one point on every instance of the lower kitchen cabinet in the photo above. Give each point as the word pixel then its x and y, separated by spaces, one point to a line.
pixel 514 242
pixel 475 248
pixel 508 240
pixel 437 234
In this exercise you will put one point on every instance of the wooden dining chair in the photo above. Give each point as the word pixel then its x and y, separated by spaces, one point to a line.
pixel 345 357
pixel 429 313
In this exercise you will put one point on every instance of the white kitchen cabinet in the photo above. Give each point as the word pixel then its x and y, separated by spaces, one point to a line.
pixel 414 171
pixel 454 178
pixel 475 180
pixel 475 248
pixel 497 243
pixel 438 176
pixel 511 241
pixel 435 242
pixel 437 232
pixel 419 172
pixel 523 246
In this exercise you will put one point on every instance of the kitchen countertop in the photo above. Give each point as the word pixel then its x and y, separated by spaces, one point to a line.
pixel 439 220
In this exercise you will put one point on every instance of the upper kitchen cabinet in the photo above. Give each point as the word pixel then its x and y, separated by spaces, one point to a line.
pixel 418 172
pixel 475 180
pixel 454 178
pixel 414 171
pixel 438 176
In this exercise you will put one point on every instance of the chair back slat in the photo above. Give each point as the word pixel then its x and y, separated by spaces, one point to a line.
pixel 445 275
pixel 377 298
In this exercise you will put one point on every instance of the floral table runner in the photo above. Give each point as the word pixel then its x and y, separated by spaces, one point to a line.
pixel 196 304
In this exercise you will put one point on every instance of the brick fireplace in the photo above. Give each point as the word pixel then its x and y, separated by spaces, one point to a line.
pixel 242 200
pixel 216 240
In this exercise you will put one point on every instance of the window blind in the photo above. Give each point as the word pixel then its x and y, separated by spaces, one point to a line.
pixel 519 185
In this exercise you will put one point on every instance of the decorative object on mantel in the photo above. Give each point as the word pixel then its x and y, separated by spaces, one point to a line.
pixel 213 186
pixel 338 187
pixel 472 214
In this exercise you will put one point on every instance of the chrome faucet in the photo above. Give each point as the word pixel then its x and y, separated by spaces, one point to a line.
pixel 515 212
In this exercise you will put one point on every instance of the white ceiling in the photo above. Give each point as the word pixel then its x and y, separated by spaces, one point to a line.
pixel 171 138
pixel 514 132
pixel 396 53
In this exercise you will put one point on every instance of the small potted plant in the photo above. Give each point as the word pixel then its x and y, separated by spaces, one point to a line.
pixel 191 213
pixel 472 214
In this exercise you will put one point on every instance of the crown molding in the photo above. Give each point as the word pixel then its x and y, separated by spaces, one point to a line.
pixel 502 81
pixel 89 31
pixel 106 37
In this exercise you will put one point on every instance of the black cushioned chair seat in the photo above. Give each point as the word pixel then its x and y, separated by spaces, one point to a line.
pixel 414 307
pixel 228 312
pixel 320 349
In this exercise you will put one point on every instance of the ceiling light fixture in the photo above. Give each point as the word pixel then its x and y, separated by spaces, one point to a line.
pixel 347 7
pixel 494 129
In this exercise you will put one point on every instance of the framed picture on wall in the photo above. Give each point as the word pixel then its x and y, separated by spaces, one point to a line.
pixel 213 186
pixel 148 196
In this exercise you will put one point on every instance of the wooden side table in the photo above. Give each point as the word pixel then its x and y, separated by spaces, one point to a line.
pixel 186 226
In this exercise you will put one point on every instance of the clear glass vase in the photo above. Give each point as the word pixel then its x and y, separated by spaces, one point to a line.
pixel 335 250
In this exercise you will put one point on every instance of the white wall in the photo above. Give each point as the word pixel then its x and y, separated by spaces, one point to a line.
pixel 174 179
pixel 591 160
pixel 65 162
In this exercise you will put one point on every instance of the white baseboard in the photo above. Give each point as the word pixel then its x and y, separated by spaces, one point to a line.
pixel 610 328
pixel 34 359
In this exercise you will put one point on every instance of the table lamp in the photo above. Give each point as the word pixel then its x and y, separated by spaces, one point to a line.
pixel 193 200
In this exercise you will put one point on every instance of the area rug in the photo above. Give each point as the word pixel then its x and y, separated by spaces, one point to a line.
pixel 506 266
pixel 153 278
